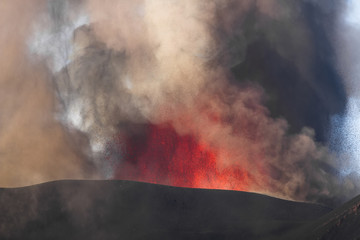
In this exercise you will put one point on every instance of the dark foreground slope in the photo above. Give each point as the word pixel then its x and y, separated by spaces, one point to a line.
pixel 342 223
pixel 132 210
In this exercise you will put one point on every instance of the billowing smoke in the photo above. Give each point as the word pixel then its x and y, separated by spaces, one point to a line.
pixel 34 147
pixel 214 94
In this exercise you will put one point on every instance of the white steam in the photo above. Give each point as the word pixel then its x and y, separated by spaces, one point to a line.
pixel 347 127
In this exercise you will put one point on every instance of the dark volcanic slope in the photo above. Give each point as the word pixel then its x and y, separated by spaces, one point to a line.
pixel 342 223
pixel 132 210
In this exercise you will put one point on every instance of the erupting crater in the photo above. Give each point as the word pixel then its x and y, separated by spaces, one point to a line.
pixel 160 155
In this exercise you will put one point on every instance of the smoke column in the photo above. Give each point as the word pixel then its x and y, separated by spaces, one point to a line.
pixel 33 146
pixel 147 91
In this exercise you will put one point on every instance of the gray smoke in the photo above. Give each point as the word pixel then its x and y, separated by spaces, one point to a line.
pixel 111 63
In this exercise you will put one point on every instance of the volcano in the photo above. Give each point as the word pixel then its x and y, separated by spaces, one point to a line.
pixel 181 111
pixel 71 209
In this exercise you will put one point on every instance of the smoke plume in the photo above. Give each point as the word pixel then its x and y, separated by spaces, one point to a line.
pixel 83 79
pixel 34 147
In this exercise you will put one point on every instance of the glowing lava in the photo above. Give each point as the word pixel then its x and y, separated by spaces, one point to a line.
pixel 161 156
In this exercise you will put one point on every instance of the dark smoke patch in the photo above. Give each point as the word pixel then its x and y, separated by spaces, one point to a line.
pixel 304 89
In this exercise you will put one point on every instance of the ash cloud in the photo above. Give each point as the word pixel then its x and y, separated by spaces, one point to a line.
pixel 221 71
pixel 33 146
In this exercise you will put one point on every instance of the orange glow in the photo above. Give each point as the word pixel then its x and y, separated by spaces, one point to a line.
pixel 162 156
